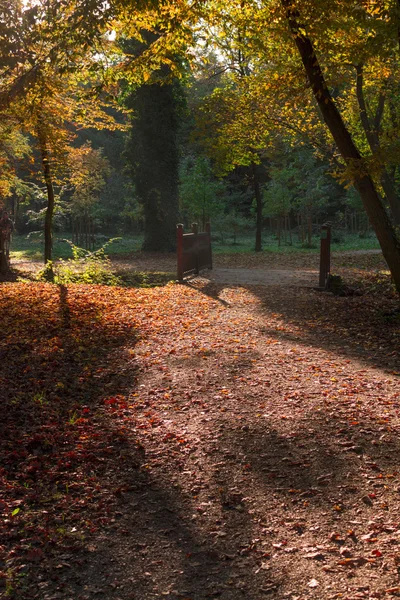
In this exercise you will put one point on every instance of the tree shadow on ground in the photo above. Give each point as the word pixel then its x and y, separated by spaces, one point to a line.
pixel 366 327
pixel 158 550
pixel 160 545
pixel 209 290
pixel 58 441
pixel 317 456
pixel 305 481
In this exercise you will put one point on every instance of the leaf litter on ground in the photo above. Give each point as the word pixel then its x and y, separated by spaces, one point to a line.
pixel 199 442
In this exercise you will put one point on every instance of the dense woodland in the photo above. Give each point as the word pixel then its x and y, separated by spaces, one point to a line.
pixel 135 116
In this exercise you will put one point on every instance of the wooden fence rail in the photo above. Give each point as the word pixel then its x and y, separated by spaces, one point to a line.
pixel 194 250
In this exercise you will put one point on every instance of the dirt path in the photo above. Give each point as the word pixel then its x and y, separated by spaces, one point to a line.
pixel 211 441
pixel 262 277
pixel 270 455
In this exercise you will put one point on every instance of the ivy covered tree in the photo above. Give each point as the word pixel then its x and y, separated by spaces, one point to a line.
pixel 152 152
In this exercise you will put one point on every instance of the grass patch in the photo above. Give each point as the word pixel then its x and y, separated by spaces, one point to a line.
pixel 32 248
pixel 25 248
pixel 340 243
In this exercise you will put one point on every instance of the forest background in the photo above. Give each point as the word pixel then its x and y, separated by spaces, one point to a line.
pixel 124 120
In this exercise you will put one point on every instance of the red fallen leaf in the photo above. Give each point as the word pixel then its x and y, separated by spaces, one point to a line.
pixel 376 552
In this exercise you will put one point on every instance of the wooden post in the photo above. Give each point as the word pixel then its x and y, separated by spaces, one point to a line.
pixel 179 246
pixel 325 255
pixel 195 230
pixel 208 230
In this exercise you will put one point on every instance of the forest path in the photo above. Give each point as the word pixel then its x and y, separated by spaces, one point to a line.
pixel 287 277
pixel 295 269
pixel 201 441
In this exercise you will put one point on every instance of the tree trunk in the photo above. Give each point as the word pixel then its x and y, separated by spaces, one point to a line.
pixel 48 222
pixel 259 207
pixel 372 135
pixel 86 231
pixel 384 229
pixel 309 226
pixel 3 255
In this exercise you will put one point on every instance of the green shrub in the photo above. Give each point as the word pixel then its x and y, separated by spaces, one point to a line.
pixel 84 267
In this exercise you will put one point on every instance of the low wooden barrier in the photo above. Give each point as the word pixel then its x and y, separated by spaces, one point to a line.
pixel 194 250
pixel 325 255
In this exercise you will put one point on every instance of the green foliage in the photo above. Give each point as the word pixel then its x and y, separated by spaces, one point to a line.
pixel 233 227
pixel 200 192
pixel 353 199
pixel 31 247
pixel 46 273
pixel 277 196
pixel 84 267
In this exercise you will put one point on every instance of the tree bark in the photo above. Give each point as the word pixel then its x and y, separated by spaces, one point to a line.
pixel 372 135
pixel 48 223
pixel 309 226
pixel 3 257
pixel 363 182
pixel 259 207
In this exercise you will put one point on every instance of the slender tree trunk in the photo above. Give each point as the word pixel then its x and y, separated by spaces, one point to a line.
pixel 3 255
pixel 92 229
pixel 384 229
pixel 86 231
pixel 372 134
pixel 48 222
pixel 259 207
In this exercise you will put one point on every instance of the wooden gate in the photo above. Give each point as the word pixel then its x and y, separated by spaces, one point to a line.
pixel 194 250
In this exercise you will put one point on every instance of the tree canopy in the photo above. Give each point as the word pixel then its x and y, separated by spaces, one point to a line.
pixel 320 72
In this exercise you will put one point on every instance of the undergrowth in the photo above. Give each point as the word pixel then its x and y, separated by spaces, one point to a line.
pixel 84 267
